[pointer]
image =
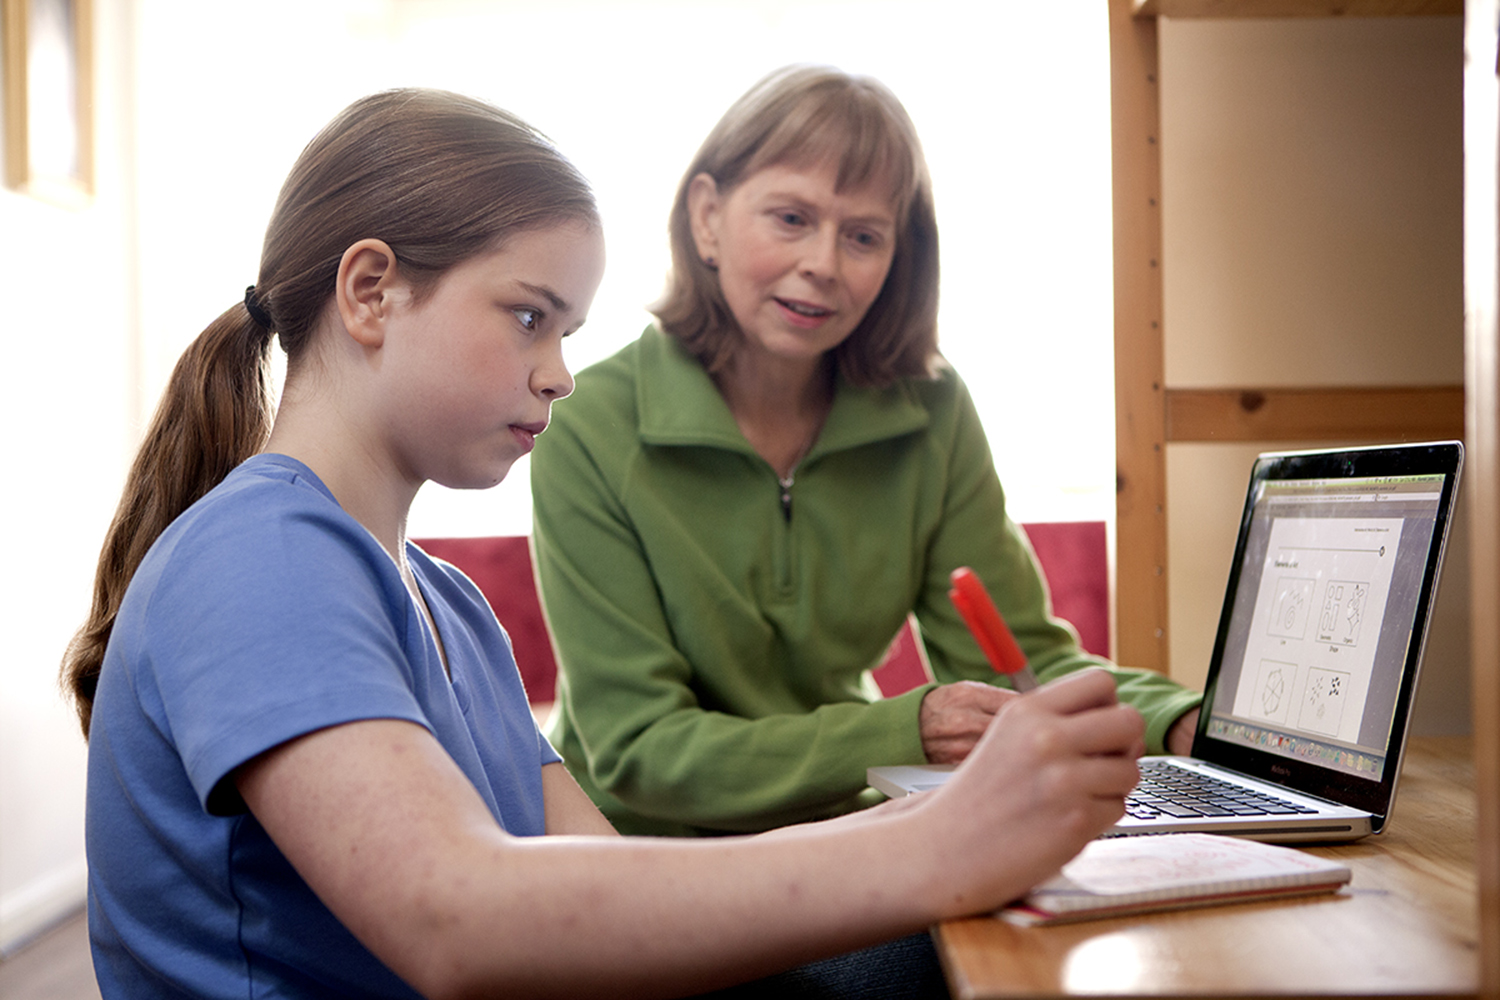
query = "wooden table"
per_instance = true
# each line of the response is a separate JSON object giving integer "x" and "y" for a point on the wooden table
{"x": 1406, "y": 926}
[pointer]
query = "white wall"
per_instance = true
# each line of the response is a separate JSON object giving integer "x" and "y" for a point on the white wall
{"x": 1011, "y": 100}
{"x": 1312, "y": 223}
{"x": 68, "y": 290}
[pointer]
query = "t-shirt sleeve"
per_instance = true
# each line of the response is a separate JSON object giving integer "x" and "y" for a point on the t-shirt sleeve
{"x": 265, "y": 629}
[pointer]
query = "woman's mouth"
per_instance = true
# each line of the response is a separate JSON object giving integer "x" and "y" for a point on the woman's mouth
{"x": 804, "y": 313}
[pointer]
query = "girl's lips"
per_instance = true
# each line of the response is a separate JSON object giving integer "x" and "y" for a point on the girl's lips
{"x": 526, "y": 434}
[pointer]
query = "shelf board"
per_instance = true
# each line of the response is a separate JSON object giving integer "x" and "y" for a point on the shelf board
{"x": 1395, "y": 413}
{"x": 1297, "y": 8}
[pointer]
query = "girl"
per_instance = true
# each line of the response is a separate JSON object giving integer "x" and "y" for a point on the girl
{"x": 743, "y": 507}
{"x": 312, "y": 770}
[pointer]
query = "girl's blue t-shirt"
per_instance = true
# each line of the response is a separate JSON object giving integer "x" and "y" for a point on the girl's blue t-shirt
{"x": 263, "y": 613}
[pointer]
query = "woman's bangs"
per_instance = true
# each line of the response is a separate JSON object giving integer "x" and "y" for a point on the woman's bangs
{"x": 866, "y": 145}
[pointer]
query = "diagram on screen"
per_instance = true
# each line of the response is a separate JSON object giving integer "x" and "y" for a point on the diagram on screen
{"x": 1310, "y": 643}
{"x": 1343, "y": 610}
{"x": 1274, "y": 690}
{"x": 1290, "y": 613}
{"x": 1323, "y": 701}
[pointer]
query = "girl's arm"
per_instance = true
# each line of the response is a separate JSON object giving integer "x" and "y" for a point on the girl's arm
{"x": 391, "y": 836}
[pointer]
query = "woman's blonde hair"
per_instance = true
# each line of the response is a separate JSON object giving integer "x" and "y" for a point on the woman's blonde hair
{"x": 440, "y": 178}
{"x": 800, "y": 116}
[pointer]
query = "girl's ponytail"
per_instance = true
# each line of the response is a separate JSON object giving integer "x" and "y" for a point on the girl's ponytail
{"x": 215, "y": 413}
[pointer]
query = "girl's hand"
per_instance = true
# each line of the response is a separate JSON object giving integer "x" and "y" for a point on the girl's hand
{"x": 953, "y": 718}
{"x": 1036, "y": 788}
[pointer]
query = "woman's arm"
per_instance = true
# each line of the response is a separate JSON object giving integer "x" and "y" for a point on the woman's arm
{"x": 975, "y": 531}
{"x": 390, "y": 835}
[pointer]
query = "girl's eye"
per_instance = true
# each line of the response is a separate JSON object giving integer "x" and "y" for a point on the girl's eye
{"x": 530, "y": 318}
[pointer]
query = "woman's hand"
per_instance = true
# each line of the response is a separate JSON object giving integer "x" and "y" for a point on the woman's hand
{"x": 953, "y": 718}
{"x": 1180, "y": 737}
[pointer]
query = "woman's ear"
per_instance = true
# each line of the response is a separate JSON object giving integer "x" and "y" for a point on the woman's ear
{"x": 703, "y": 213}
{"x": 366, "y": 290}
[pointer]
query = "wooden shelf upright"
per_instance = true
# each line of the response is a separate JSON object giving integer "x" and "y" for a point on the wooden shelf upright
{"x": 1151, "y": 414}
{"x": 1482, "y": 380}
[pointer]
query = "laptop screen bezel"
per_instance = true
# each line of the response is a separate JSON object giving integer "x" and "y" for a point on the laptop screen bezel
{"x": 1428, "y": 458}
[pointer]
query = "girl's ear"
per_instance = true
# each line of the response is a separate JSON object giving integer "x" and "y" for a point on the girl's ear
{"x": 703, "y": 211}
{"x": 366, "y": 290}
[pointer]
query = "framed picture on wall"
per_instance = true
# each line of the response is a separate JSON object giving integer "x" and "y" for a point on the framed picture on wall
{"x": 48, "y": 84}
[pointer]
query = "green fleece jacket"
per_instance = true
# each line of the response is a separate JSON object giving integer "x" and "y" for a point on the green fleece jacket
{"x": 715, "y": 644}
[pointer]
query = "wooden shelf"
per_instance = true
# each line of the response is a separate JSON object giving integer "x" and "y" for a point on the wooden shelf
{"x": 1355, "y": 413}
{"x": 1149, "y": 413}
{"x": 1297, "y": 8}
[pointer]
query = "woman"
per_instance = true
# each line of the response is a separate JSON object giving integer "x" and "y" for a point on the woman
{"x": 739, "y": 511}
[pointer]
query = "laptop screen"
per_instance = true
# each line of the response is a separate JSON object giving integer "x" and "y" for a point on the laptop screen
{"x": 1318, "y": 649}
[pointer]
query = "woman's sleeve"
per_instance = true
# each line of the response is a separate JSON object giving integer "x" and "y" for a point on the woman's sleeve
{"x": 630, "y": 699}
{"x": 975, "y": 531}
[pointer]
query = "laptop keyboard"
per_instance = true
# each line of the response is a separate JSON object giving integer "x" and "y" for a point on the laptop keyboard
{"x": 1165, "y": 790}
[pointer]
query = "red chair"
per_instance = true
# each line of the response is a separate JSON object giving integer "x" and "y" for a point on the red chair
{"x": 1074, "y": 558}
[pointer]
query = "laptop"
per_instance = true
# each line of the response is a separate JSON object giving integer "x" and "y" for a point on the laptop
{"x": 1315, "y": 665}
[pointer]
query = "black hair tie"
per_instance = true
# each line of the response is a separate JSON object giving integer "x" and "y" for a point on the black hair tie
{"x": 252, "y": 306}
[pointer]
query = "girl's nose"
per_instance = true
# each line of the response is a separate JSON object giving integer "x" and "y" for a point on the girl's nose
{"x": 552, "y": 380}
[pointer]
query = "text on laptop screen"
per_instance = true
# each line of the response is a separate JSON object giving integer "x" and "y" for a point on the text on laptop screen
{"x": 1322, "y": 618}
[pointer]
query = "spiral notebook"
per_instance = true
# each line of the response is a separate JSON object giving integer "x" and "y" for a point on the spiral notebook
{"x": 1319, "y": 648}
{"x": 1112, "y": 878}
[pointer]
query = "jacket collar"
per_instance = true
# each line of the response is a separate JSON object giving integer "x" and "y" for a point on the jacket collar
{"x": 679, "y": 405}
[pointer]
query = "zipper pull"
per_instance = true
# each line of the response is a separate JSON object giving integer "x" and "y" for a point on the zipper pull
{"x": 786, "y": 496}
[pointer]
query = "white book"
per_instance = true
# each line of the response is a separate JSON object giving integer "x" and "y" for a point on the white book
{"x": 1123, "y": 875}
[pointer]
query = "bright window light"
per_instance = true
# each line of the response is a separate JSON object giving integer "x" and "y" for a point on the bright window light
{"x": 1011, "y": 100}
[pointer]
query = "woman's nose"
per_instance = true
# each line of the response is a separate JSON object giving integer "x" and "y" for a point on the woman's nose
{"x": 820, "y": 255}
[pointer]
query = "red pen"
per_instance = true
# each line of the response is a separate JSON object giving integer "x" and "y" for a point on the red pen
{"x": 989, "y": 629}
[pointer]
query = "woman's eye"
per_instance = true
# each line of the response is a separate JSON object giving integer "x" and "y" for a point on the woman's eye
{"x": 790, "y": 218}
{"x": 530, "y": 318}
{"x": 867, "y": 240}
